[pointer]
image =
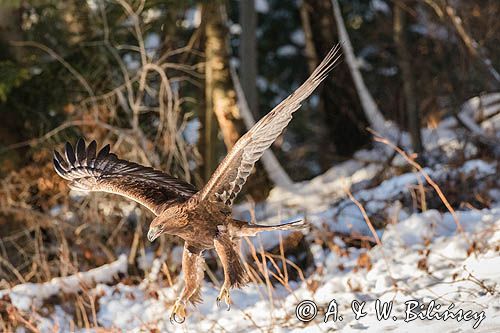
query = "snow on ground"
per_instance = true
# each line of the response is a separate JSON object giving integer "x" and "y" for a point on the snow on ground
{"x": 448, "y": 274}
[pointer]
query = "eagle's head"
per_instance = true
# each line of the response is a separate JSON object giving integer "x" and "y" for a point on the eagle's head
{"x": 168, "y": 221}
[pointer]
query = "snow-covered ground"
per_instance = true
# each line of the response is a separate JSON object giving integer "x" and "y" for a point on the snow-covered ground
{"x": 423, "y": 260}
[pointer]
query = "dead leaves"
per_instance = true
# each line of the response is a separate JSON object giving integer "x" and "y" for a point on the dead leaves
{"x": 364, "y": 262}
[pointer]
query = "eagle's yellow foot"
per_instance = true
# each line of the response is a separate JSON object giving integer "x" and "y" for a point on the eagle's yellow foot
{"x": 224, "y": 295}
{"x": 178, "y": 313}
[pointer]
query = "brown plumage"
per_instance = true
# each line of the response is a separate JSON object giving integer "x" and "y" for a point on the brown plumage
{"x": 202, "y": 218}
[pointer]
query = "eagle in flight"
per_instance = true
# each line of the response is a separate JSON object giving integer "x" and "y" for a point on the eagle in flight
{"x": 202, "y": 218}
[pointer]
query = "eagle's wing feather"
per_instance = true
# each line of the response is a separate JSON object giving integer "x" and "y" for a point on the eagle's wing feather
{"x": 90, "y": 171}
{"x": 230, "y": 176}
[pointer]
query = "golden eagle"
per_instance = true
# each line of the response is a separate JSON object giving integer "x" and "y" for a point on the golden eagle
{"x": 202, "y": 218}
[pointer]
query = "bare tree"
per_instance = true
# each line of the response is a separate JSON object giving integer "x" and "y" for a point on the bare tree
{"x": 221, "y": 97}
{"x": 10, "y": 29}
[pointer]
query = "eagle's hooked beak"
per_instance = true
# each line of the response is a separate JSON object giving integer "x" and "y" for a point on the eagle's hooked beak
{"x": 154, "y": 232}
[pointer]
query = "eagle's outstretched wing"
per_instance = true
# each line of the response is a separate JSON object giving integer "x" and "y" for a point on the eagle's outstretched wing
{"x": 232, "y": 173}
{"x": 105, "y": 172}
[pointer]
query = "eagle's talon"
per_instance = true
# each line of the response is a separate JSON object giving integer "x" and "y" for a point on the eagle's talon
{"x": 179, "y": 321}
{"x": 178, "y": 314}
{"x": 224, "y": 295}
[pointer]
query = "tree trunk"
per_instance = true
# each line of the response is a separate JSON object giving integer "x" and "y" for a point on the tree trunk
{"x": 409, "y": 87}
{"x": 313, "y": 61}
{"x": 311, "y": 54}
{"x": 219, "y": 93}
{"x": 248, "y": 54}
{"x": 74, "y": 16}
{"x": 220, "y": 97}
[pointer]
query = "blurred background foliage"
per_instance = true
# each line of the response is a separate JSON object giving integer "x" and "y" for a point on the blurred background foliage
{"x": 37, "y": 92}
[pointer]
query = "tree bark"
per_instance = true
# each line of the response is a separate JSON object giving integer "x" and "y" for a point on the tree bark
{"x": 12, "y": 127}
{"x": 219, "y": 93}
{"x": 312, "y": 61}
{"x": 73, "y": 15}
{"x": 409, "y": 86}
{"x": 220, "y": 97}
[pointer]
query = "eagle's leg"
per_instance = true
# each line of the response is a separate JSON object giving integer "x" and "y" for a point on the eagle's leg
{"x": 192, "y": 266}
{"x": 234, "y": 272}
